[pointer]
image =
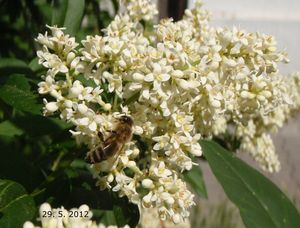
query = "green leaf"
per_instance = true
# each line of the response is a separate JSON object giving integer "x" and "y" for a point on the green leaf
{"x": 36, "y": 126}
{"x": 19, "y": 81}
{"x": 74, "y": 15}
{"x": 107, "y": 217}
{"x": 16, "y": 93}
{"x": 16, "y": 166}
{"x": 35, "y": 66}
{"x": 125, "y": 213}
{"x": 12, "y": 66}
{"x": 121, "y": 215}
{"x": 116, "y": 5}
{"x": 195, "y": 178}
{"x": 59, "y": 12}
{"x": 86, "y": 82}
{"x": 121, "y": 212}
{"x": 16, "y": 206}
{"x": 69, "y": 14}
{"x": 7, "y": 128}
{"x": 260, "y": 202}
{"x": 133, "y": 98}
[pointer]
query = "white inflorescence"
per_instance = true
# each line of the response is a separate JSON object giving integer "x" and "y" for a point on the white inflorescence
{"x": 181, "y": 82}
{"x": 61, "y": 218}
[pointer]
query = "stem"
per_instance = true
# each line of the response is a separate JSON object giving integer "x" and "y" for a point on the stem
{"x": 115, "y": 103}
{"x": 56, "y": 162}
{"x": 69, "y": 80}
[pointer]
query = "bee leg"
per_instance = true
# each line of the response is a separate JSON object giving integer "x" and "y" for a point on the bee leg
{"x": 97, "y": 155}
{"x": 93, "y": 156}
{"x": 89, "y": 158}
{"x": 100, "y": 135}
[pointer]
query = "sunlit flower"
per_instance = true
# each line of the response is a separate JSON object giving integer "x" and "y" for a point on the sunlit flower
{"x": 180, "y": 83}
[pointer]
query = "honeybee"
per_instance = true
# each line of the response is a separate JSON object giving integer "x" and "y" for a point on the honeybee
{"x": 114, "y": 143}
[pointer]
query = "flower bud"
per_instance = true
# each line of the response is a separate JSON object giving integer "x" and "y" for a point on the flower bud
{"x": 107, "y": 107}
{"x": 176, "y": 218}
{"x": 147, "y": 183}
{"x": 177, "y": 74}
{"x": 138, "y": 77}
{"x": 82, "y": 108}
{"x": 110, "y": 178}
{"x": 68, "y": 104}
{"x": 244, "y": 94}
{"x": 51, "y": 106}
{"x": 138, "y": 130}
{"x": 70, "y": 57}
{"x": 215, "y": 103}
{"x": 28, "y": 225}
{"x": 93, "y": 126}
{"x": 44, "y": 207}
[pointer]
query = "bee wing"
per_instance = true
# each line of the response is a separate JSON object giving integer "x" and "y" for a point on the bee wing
{"x": 115, "y": 149}
{"x": 111, "y": 139}
{"x": 111, "y": 149}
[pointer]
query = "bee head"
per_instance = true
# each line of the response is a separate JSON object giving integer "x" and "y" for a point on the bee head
{"x": 126, "y": 120}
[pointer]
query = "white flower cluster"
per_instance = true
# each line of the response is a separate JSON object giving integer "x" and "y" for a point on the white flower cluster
{"x": 82, "y": 218}
{"x": 255, "y": 135}
{"x": 182, "y": 82}
{"x": 150, "y": 219}
{"x": 140, "y": 9}
{"x": 61, "y": 218}
{"x": 294, "y": 91}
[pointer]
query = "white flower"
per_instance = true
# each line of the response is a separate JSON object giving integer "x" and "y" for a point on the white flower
{"x": 141, "y": 9}
{"x": 51, "y": 106}
{"x": 48, "y": 85}
{"x": 76, "y": 89}
{"x": 159, "y": 75}
{"x": 160, "y": 170}
{"x": 162, "y": 142}
{"x": 51, "y": 61}
{"x": 180, "y": 82}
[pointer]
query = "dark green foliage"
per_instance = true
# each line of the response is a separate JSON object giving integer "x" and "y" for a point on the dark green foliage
{"x": 16, "y": 206}
{"x": 16, "y": 93}
{"x": 36, "y": 151}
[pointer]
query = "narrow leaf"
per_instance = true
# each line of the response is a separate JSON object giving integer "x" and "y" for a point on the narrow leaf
{"x": 74, "y": 15}
{"x": 59, "y": 12}
{"x": 260, "y": 202}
